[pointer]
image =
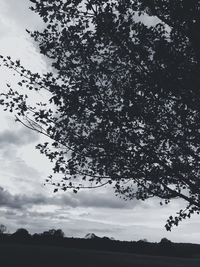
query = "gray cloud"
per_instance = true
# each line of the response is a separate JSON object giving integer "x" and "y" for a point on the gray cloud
{"x": 97, "y": 199}
{"x": 82, "y": 200}
{"x": 19, "y": 12}
{"x": 19, "y": 137}
{"x": 19, "y": 201}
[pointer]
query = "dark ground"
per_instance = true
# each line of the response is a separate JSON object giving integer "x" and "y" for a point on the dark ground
{"x": 48, "y": 256}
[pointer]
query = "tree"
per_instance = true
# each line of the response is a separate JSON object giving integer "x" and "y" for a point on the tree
{"x": 165, "y": 242}
{"x": 123, "y": 105}
{"x": 3, "y": 229}
{"x": 54, "y": 233}
{"x": 21, "y": 233}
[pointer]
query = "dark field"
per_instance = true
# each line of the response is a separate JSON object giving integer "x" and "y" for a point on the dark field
{"x": 42, "y": 256}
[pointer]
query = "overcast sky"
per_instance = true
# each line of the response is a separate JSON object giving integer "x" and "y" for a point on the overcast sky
{"x": 26, "y": 202}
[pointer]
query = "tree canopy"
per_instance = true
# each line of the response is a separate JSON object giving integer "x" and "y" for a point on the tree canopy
{"x": 124, "y": 104}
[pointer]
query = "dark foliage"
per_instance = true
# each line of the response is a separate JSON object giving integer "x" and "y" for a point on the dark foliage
{"x": 124, "y": 102}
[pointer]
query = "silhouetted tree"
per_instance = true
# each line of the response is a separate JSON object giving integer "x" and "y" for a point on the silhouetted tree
{"x": 124, "y": 102}
{"x": 3, "y": 229}
{"x": 21, "y": 233}
{"x": 164, "y": 240}
{"x": 54, "y": 233}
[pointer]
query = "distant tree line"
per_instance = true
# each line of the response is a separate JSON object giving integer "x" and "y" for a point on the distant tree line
{"x": 22, "y": 233}
{"x": 55, "y": 237}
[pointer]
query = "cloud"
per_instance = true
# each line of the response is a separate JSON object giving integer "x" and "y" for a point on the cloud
{"x": 19, "y": 13}
{"x": 19, "y": 201}
{"x": 18, "y": 138}
{"x": 80, "y": 200}
{"x": 97, "y": 199}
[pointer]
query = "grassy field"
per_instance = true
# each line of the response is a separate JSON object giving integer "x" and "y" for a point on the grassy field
{"x": 41, "y": 256}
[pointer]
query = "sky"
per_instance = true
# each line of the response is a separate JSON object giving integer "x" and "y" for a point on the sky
{"x": 26, "y": 202}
